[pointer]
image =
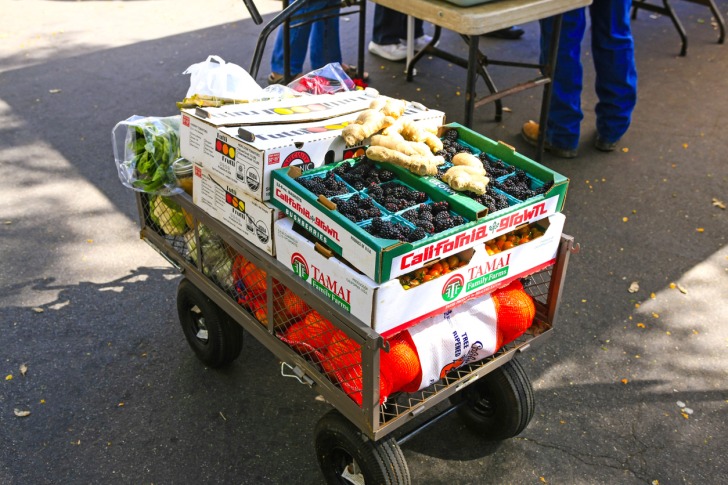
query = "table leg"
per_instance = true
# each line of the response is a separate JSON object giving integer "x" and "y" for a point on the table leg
{"x": 548, "y": 72}
{"x": 473, "y": 54}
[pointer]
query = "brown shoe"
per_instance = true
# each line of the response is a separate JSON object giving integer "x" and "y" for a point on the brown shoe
{"x": 530, "y": 131}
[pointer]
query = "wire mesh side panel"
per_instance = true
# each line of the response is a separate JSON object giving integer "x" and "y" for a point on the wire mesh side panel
{"x": 278, "y": 308}
{"x": 537, "y": 286}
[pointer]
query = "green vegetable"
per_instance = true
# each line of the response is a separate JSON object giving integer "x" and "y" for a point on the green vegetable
{"x": 168, "y": 215}
{"x": 153, "y": 146}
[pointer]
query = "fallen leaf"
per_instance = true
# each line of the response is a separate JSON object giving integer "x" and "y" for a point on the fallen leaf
{"x": 655, "y": 315}
{"x": 625, "y": 381}
{"x": 54, "y": 91}
{"x": 685, "y": 415}
{"x": 700, "y": 229}
{"x": 685, "y": 145}
{"x": 673, "y": 286}
{"x": 625, "y": 219}
{"x": 23, "y": 369}
{"x": 89, "y": 241}
{"x": 653, "y": 296}
{"x": 682, "y": 289}
{"x": 680, "y": 404}
{"x": 718, "y": 203}
{"x": 655, "y": 482}
{"x": 641, "y": 325}
{"x": 507, "y": 109}
{"x": 625, "y": 149}
{"x": 9, "y": 377}
{"x": 21, "y": 413}
{"x": 38, "y": 310}
{"x": 542, "y": 479}
{"x": 634, "y": 287}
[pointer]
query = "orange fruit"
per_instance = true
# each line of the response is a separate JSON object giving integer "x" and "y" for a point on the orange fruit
{"x": 292, "y": 305}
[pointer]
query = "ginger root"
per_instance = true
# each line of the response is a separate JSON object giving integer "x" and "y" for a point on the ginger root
{"x": 417, "y": 164}
{"x": 382, "y": 112}
{"x": 468, "y": 159}
{"x": 466, "y": 177}
{"x": 396, "y": 142}
{"x": 367, "y": 123}
{"x": 417, "y": 132}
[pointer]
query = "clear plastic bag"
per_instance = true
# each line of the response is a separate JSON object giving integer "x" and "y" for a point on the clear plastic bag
{"x": 327, "y": 80}
{"x": 216, "y": 78}
{"x": 144, "y": 150}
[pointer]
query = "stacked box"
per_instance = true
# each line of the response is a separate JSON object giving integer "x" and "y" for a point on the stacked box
{"x": 388, "y": 307}
{"x": 384, "y": 259}
{"x": 244, "y": 143}
{"x": 250, "y": 218}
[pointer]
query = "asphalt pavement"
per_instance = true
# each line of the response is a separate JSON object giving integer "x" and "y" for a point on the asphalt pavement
{"x": 631, "y": 389}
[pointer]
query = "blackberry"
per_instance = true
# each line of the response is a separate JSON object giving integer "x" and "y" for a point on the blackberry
{"x": 328, "y": 186}
{"x": 386, "y": 175}
{"x": 427, "y": 226}
{"x": 391, "y": 206}
{"x": 416, "y": 234}
{"x": 450, "y": 135}
{"x": 438, "y": 207}
{"x": 420, "y": 197}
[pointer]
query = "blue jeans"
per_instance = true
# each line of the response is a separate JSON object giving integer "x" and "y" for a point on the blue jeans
{"x": 616, "y": 74}
{"x": 323, "y": 36}
{"x": 390, "y": 26}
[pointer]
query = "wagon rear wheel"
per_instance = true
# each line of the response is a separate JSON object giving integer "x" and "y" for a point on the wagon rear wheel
{"x": 500, "y": 404}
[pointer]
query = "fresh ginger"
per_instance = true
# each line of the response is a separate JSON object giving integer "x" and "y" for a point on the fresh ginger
{"x": 367, "y": 123}
{"x": 396, "y": 142}
{"x": 417, "y": 132}
{"x": 417, "y": 164}
{"x": 465, "y": 177}
{"x": 468, "y": 159}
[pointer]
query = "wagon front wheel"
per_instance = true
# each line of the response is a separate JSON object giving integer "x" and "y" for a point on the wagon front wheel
{"x": 347, "y": 456}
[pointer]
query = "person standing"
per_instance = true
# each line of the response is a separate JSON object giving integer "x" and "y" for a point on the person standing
{"x": 389, "y": 33}
{"x": 321, "y": 36}
{"x": 616, "y": 78}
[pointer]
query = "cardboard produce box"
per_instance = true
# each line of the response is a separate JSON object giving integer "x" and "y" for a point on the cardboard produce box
{"x": 226, "y": 202}
{"x": 390, "y": 308}
{"x": 245, "y": 155}
{"x": 384, "y": 259}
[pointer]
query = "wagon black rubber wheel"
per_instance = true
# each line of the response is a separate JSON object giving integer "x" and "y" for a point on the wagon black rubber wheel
{"x": 500, "y": 404}
{"x": 347, "y": 456}
{"x": 212, "y": 334}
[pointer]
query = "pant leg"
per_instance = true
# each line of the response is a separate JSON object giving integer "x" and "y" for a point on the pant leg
{"x": 390, "y": 26}
{"x": 299, "y": 39}
{"x": 614, "y": 64}
{"x": 565, "y": 114}
{"x": 325, "y": 45}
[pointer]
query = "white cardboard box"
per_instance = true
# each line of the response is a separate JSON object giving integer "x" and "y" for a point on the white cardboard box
{"x": 250, "y": 218}
{"x": 388, "y": 307}
{"x": 245, "y": 155}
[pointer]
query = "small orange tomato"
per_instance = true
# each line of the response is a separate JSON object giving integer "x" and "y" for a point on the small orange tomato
{"x": 500, "y": 243}
{"x": 436, "y": 267}
{"x": 435, "y": 273}
{"x": 426, "y": 278}
{"x": 414, "y": 283}
{"x": 508, "y": 245}
{"x": 489, "y": 250}
{"x": 524, "y": 240}
{"x": 453, "y": 261}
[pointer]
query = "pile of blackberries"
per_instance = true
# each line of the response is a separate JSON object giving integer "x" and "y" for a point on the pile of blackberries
{"x": 450, "y": 146}
{"x": 493, "y": 200}
{"x": 363, "y": 174}
{"x": 519, "y": 186}
{"x": 358, "y": 208}
{"x": 396, "y": 197}
{"x": 433, "y": 218}
{"x": 388, "y": 229}
{"x": 494, "y": 166}
{"x": 328, "y": 185}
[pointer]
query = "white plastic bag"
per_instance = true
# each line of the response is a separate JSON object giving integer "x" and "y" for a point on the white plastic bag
{"x": 215, "y": 77}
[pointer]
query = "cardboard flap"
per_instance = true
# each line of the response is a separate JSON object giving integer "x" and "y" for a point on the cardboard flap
{"x": 327, "y": 203}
